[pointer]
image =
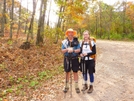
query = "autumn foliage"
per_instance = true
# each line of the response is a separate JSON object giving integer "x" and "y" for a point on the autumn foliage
{"x": 27, "y": 67}
{"x": 130, "y": 12}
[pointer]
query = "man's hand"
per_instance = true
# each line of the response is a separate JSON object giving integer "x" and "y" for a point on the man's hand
{"x": 70, "y": 50}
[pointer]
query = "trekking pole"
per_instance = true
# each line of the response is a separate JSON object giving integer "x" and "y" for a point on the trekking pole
{"x": 83, "y": 69}
{"x": 66, "y": 77}
{"x": 70, "y": 61}
{"x": 65, "y": 86}
{"x": 83, "y": 65}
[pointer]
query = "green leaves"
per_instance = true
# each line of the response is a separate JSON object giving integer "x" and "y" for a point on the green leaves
{"x": 42, "y": 74}
{"x": 33, "y": 83}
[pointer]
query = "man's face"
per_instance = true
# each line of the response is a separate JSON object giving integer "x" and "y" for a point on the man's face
{"x": 70, "y": 34}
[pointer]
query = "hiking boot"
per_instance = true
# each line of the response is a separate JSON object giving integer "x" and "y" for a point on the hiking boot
{"x": 85, "y": 87}
{"x": 77, "y": 90}
{"x": 65, "y": 89}
{"x": 90, "y": 90}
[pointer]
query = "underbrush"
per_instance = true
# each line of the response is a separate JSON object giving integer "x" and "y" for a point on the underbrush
{"x": 116, "y": 36}
{"x": 25, "y": 70}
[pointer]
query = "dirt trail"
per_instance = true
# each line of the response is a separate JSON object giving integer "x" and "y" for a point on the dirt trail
{"x": 114, "y": 77}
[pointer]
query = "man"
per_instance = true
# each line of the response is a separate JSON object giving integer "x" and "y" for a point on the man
{"x": 71, "y": 49}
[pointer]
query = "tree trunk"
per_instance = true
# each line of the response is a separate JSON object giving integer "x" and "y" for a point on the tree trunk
{"x": 62, "y": 8}
{"x": 110, "y": 22}
{"x": 100, "y": 23}
{"x": 3, "y": 19}
{"x": 63, "y": 21}
{"x": 96, "y": 25}
{"x": 30, "y": 30}
{"x": 124, "y": 16}
{"x": 43, "y": 17}
{"x": 19, "y": 19}
{"x": 39, "y": 38}
{"x": 11, "y": 17}
{"x": 26, "y": 20}
{"x": 49, "y": 13}
{"x": 59, "y": 19}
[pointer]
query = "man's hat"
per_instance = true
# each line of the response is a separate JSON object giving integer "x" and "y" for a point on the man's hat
{"x": 71, "y": 30}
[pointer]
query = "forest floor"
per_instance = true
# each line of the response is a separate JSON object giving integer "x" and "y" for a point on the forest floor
{"x": 37, "y": 74}
{"x": 28, "y": 74}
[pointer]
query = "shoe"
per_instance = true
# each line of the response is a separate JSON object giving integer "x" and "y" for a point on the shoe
{"x": 90, "y": 90}
{"x": 85, "y": 87}
{"x": 77, "y": 90}
{"x": 65, "y": 89}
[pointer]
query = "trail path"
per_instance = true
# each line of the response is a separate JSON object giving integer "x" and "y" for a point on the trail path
{"x": 114, "y": 77}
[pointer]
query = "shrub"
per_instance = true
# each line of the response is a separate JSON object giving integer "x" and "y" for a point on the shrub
{"x": 131, "y": 36}
{"x": 115, "y": 36}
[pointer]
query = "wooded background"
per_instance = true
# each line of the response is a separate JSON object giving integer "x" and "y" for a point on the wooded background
{"x": 103, "y": 20}
{"x": 39, "y": 69}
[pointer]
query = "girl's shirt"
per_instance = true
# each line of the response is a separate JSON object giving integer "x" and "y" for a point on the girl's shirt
{"x": 86, "y": 48}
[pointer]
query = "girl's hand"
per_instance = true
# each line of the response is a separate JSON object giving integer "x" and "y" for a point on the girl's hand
{"x": 84, "y": 54}
{"x": 81, "y": 55}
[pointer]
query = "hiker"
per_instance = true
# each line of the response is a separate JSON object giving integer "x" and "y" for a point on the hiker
{"x": 87, "y": 64}
{"x": 71, "y": 49}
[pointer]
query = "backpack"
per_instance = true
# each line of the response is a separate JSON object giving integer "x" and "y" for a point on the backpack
{"x": 72, "y": 44}
{"x": 91, "y": 38}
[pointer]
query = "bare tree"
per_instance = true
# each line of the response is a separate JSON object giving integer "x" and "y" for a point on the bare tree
{"x": 110, "y": 22}
{"x": 100, "y": 19}
{"x": 49, "y": 13}
{"x": 11, "y": 18}
{"x": 26, "y": 19}
{"x": 3, "y": 19}
{"x": 19, "y": 18}
{"x": 39, "y": 38}
{"x": 30, "y": 30}
{"x": 124, "y": 16}
{"x": 43, "y": 16}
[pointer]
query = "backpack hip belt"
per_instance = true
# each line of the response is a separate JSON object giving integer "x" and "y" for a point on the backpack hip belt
{"x": 67, "y": 57}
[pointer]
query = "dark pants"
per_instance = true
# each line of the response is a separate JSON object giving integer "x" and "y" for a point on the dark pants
{"x": 68, "y": 67}
{"x": 88, "y": 69}
{"x": 89, "y": 66}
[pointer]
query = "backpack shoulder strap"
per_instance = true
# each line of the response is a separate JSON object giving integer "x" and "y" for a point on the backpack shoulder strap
{"x": 82, "y": 44}
{"x": 92, "y": 56}
{"x": 65, "y": 43}
{"x": 90, "y": 44}
{"x": 92, "y": 39}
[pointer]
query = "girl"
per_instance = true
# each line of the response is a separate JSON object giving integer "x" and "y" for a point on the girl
{"x": 87, "y": 54}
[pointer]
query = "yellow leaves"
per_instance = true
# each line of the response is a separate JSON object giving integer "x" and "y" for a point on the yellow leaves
{"x": 9, "y": 3}
{"x": 130, "y": 11}
{"x": 5, "y": 100}
{"x": 15, "y": 26}
{"x": 74, "y": 11}
{"x": 1, "y": 14}
{"x": 7, "y": 15}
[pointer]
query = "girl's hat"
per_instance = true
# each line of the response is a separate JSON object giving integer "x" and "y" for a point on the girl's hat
{"x": 71, "y": 30}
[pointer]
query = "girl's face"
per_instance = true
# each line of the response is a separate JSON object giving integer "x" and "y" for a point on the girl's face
{"x": 86, "y": 35}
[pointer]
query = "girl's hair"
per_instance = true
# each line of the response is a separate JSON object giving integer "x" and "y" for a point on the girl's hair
{"x": 87, "y": 32}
